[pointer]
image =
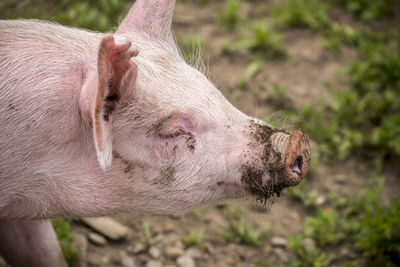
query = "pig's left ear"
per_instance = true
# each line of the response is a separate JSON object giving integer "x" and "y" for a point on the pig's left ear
{"x": 151, "y": 16}
{"x": 105, "y": 88}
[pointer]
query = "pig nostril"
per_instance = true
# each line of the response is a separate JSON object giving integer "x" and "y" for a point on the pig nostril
{"x": 296, "y": 166}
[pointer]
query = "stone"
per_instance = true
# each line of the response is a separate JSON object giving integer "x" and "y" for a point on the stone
{"x": 154, "y": 252}
{"x": 278, "y": 241}
{"x": 169, "y": 228}
{"x": 185, "y": 261}
{"x": 97, "y": 239}
{"x": 108, "y": 227}
{"x": 344, "y": 252}
{"x": 98, "y": 260}
{"x": 138, "y": 248}
{"x": 128, "y": 262}
{"x": 179, "y": 244}
{"x": 320, "y": 200}
{"x": 194, "y": 253}
{"x": 308, "y": 244}
{"x": 173, "y": 252}
{"x": 281, "y": 254}
{"x": 153, "y": 263}
{"x": 81, "y": 243}
{"x": 209, "y": 248}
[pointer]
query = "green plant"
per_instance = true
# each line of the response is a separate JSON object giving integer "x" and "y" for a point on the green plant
{"x": 240, "y": 231}
{"x": 308, "y": 257}
{"x": 369, "y": 10}
{"x": 263, "y": 263}
{"x": 251, "y": 70}
{"x": 337, "y": 34}
{"x": 262, "y": 42}
{"x": 197, "y": 215}
{"x": 377, "y": 234}
{"x": 230, "y": 16}
{"x": 369, "y": 228}
{"x": 193, "y": 238}
{"x": 309, "y": 198}
{"x": 65, "y": 236}
{"x": 279, "y": 98}
{"x": 148, "y": 237}
{"x": 96, "y": 15}
{"x": 301, "y": 13}
{"x": 324, "y": 228}
{"x": 99, "y": 15}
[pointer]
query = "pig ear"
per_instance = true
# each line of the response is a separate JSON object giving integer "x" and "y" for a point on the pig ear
{"x": 105, "y": 89}
{"x": 151, "y": 16}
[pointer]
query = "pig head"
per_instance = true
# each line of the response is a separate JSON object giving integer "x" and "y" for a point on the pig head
{"x": 96, "y": 124}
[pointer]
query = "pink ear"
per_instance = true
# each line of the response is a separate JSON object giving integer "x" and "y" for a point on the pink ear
{"x": 104, "y": 89}
{"x": 151, "y": 16}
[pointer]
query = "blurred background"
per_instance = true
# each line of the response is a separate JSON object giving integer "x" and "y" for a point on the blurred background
{"x": 331, "y": 68}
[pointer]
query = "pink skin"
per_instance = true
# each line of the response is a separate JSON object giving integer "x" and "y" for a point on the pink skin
{"x": 95, "y": 124}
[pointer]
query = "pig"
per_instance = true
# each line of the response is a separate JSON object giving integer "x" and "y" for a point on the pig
{"x": 95, "y": 124}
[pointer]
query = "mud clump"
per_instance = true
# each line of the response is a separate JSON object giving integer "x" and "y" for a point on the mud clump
{"x": 271, "y": 164}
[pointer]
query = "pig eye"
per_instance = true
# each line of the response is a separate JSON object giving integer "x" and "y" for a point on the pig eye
{"x": 172, "y": 135}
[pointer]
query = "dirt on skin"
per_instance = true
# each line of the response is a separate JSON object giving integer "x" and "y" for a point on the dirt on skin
{"x": 307, "y": 68}
{"x": 269, "y": 163}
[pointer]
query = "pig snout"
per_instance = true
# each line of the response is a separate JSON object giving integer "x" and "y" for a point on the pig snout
{"x": 284, "y": 161}
{"x": 296, "y": 149}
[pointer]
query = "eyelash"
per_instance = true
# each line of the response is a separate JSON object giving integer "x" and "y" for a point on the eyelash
{"x": 172, "y": 135}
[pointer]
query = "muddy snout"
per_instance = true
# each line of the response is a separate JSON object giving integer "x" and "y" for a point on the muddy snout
{"x": 296, "y": 161}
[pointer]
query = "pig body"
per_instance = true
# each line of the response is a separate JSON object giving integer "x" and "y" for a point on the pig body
{"x": 94, "y": 124}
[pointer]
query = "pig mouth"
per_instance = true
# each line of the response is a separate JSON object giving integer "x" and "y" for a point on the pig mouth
{"x": 262, "y": 184}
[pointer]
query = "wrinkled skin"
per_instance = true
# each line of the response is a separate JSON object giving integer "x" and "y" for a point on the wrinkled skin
{"x": 95, "y": 124}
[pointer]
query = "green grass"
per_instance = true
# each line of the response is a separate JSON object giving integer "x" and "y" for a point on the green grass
{"x": 369, "y": 10}
{"x": 301, "y": 13}
{"x": 64, "y": 236}
{"x": 149, "y": 239}
{"x": 194, "y": 238}
{"x": 262, "y": 41}
{"x": 98, "y": 15}
{"x": 308, "y": 257}
{"x": 368, "y": 228}
{"x": 250, "y": 72}
{"x": 230, "y": 17}
{"x": 240, "y": 231}
{"x": 279, "y": 98}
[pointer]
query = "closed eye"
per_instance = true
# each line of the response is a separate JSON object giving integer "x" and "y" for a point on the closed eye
{"x": 172, "y": 135}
